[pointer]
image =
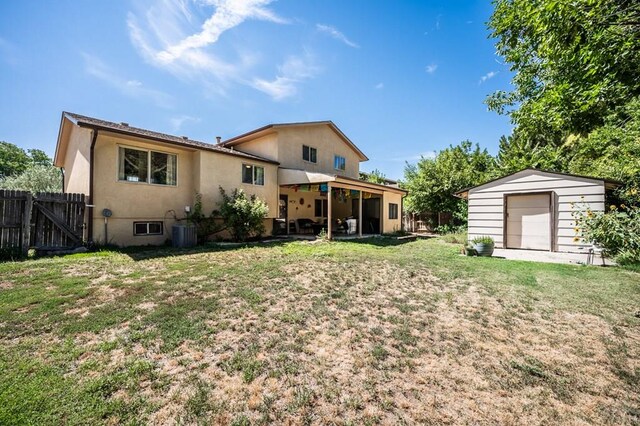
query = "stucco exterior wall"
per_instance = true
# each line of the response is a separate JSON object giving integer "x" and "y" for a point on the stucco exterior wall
{"x": 201, "y": 171}
{"x": 391, "y": 225}
{"x": 213, "y": 170}
{"x": 77, "y": 161}
{"x": 265, "y": 147}
{"x": 327, "y": 143}
{"x": 135, "y": 201}
{"x": 486, "y": 204}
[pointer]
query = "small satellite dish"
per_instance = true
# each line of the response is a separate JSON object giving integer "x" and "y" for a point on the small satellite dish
{"x": 106, "y": 213}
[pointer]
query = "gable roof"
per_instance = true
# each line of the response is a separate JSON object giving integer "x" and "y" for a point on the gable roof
{"x": 125, "y": 129}
{"x": 608, "y": 183}
{"x": 273, "y": 127}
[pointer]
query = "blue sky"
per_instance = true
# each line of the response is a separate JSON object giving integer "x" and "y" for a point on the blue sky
{"x": 400, "y": 78}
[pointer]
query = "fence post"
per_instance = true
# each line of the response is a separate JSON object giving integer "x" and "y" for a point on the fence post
{"x": 26, "y": 223}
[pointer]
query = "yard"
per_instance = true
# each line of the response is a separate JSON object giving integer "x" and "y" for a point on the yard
{"x": 360, "y": 332}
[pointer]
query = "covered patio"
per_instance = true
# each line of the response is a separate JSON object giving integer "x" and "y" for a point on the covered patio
{"x": 313, "y": 202}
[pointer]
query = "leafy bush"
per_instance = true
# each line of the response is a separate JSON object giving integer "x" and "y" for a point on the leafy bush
{"x": 455, "y": 238}
{"x": 242, "y": 215}
{"x": 484, "y": 239}
{"x": 205, "y": 225}
{"x": 617, "y": 231}
{"x": 36, "y": 178}
{"x": 450, "y": 229}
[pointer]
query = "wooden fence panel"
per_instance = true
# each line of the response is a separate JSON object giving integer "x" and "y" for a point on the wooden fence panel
{"x": 46, "y": 220}
{"x": 58, "y": 220}
{"x": 12, "y": 217}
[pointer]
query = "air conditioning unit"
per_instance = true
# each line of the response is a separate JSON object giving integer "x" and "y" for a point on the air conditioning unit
{"x": 183, "y": 235}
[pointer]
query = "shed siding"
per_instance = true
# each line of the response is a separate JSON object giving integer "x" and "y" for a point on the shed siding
{"x": 486, "y": 204}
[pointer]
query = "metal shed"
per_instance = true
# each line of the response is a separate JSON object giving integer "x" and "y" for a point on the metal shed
{"x": 532, "y": 209}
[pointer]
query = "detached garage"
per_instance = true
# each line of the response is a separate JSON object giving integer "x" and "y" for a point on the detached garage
{"x": 531, "y": 209}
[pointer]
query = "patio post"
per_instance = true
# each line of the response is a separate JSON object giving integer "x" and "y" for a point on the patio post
{"x": 329, "y": 197}
{"x": 360, "y": 214}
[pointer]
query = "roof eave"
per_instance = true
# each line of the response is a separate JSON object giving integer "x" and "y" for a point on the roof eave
{"x": 239, "y": 154}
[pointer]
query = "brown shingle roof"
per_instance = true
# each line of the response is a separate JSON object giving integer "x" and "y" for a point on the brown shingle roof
{"x": 123, "y": 128}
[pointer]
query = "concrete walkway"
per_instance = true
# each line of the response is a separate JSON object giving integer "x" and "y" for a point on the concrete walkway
{"x": 548, "y": 257}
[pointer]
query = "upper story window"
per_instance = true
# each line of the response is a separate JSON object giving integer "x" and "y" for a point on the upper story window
{"x": 137, "y": 165}
{"x": 339, "y": 163}
{"x": 309, "y": 154}
{"x": 253, "y": 175}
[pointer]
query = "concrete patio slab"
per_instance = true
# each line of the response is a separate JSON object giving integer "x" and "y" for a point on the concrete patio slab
{"x": 549, "y": 257}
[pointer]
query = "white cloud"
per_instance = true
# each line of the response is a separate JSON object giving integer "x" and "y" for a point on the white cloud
{"x": 430, "y": 69}
{"x": 335, "y": 33}
{"x": 379, "y": 86}
{"x": 294, "y": 70}
{"x": 177, "y": 122}
{"x": 228, "y": 14}
{"x": 488, "y": 76}
{"x": 167, "y": 37}
{"x": 131, "y": 88}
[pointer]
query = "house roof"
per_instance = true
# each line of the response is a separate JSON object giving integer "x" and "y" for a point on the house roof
{"x": 608, "y": 183}
{"x": 288, "y": 176}
{"x": 272, "y": 127}
{"x": 125, "y": 129}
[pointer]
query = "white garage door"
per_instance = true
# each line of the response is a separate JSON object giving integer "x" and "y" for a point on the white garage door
{"x": 529, "y": 221}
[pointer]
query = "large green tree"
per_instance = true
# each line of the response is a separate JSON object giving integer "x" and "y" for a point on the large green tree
{"x": 15, "y": 160}
{"x": 574, "y": 63}
{"x": 612, "y": 150}
{"x": 433, "y": 181}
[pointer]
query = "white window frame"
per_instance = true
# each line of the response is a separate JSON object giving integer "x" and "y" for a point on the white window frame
{"x": 139, "y": 222}
{"x": 253, "y": 174}
{"x": 148, "y": 151}
{"x": 309, "y": 147}
{"x": 344, "y": 162}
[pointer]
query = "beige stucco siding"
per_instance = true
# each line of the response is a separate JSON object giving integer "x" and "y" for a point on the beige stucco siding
{"x": 265, "y": 147}
{"x": 391, "y": 225}
{"x": 76, "y": 161}
{"x": 486, "y": 204}
{"x": 327, "y": 143}
{"x": 213, "y": 170}
{"x": 132, "y": 201}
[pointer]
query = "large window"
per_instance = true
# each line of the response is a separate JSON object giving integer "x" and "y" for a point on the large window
{"x": 339, "y": 163}
{"x": 147, "y": 228}
{"x": 309, "y": 154}
{"x": 393, "y": 211}
{"x": 136, "y": 165}
{"x": 253, "y": 175}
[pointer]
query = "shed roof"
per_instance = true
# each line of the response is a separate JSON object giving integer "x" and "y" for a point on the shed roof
{"x": 608, "y": 183}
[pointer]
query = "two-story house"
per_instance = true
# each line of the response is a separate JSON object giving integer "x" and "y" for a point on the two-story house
{"x": 147, "y": 180}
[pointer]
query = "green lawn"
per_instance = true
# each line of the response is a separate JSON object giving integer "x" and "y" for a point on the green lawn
{"x": 360, "y": 332}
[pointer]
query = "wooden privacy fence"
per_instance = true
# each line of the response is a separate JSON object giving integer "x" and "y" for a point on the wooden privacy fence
{"x": 45, "y": 221}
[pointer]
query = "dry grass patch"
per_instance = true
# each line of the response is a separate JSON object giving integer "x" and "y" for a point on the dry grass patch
{"x": 335, "y": 333}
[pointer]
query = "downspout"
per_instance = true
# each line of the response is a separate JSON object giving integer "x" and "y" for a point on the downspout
{"x": 402, "y": 213}
{"x": 90, "y": 202}
{"x": 62, "y": 177}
